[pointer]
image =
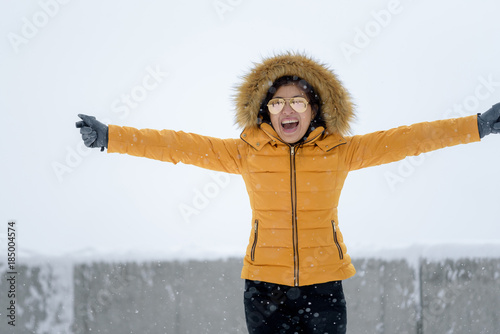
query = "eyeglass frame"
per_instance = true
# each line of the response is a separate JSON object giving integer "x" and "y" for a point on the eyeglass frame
{"x": 287, "y": 100}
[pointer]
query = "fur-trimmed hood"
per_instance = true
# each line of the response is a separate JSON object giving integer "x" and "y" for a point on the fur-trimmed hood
{"x": 337, "y": 108}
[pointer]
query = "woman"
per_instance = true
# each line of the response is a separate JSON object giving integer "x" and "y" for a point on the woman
{"x": 294, "y": 155}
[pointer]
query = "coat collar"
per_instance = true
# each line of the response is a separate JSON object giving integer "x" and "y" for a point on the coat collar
{"x": 259, "y": 137}
{"x": 329, "y": 142}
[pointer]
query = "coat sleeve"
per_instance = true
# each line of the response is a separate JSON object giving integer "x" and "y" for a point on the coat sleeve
{"x": 176, "y": 146}
{"x": 392, "y": 145}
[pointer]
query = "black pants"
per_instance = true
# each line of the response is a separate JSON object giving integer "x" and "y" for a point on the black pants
{"x": 280, "y": 309}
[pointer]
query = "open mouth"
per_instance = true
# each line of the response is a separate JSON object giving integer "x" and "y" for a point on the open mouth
{"x": 289, "y": 125}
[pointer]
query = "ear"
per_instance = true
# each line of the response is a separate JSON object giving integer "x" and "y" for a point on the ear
{"x": 314, "y": 109}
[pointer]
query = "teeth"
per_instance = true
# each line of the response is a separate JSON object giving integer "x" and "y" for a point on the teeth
{"x": 289, "y": 121}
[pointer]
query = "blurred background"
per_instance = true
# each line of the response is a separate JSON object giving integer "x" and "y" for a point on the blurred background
{"x": 175, "y": 65}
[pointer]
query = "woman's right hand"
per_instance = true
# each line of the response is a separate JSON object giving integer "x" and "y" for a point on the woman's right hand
{"x": 94, "y": 133}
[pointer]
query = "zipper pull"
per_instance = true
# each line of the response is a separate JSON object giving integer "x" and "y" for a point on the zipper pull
{"x": 256, "y": 224}
{"x": 292, "y": 150}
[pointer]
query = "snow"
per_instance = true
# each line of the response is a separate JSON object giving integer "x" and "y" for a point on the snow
{"x": 175, "y": 65}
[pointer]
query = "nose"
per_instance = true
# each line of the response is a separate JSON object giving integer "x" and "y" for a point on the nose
{"x": 287, "y": 109}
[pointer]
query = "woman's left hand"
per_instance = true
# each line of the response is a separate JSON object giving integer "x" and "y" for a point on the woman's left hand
{"x": 489, "y": 121}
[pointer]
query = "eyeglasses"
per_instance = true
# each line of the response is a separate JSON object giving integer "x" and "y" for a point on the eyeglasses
{"x": 299, "y": 104}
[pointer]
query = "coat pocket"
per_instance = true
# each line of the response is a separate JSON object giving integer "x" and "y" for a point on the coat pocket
{"x": 336, "y": 240}
{"x": 255, "y": 238}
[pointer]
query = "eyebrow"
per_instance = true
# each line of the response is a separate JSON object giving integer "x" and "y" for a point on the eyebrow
{"x": 280, "y": 97}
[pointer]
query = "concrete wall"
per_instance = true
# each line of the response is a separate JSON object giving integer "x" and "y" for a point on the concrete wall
{"x": 43, "y": 298}
{"x": 461, "y": 296}
{"x": 202, "y": 297}
{"x": 382, "y": 298}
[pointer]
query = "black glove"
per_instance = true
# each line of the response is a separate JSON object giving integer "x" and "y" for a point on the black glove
{"x": 94, "y": 133}
{"x": 489, "y": 121}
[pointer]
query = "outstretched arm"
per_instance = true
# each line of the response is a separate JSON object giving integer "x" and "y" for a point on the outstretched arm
{"x": 393, "y": 145}
{"x": 165, "y": 145}
{"x": 177, "y": 146}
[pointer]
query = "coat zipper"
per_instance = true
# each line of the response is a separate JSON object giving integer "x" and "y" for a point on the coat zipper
{"x": 295, "y": 237}
{"x": 336, "y": 240}
{"x": 255, "y": 237}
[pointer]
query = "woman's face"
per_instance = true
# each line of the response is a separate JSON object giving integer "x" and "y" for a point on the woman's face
{"x": 290, "y": 125}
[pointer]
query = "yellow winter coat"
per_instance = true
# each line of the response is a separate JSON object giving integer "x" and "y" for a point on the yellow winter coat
{"x": 294, "y": 190}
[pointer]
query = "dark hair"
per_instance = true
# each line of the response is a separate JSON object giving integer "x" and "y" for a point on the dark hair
{"x": 313, "y": 98}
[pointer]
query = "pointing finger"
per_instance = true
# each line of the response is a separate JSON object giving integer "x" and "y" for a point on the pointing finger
{"x": 88, "y": 120}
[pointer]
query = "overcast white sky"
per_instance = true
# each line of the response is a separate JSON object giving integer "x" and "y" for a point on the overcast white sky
{"x": 174, "y": 64}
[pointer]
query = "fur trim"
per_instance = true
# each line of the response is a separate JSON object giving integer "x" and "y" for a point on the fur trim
{"x": 337, "y": 108}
